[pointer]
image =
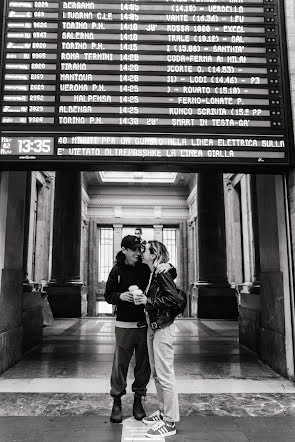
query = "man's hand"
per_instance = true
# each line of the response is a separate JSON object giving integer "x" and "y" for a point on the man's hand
{"x": 126, "y": 296}
{"x": 163, "y": 268}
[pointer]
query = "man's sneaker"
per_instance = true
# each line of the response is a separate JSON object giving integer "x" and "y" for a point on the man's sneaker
{"x": 161, "y": 429}
{"x": 156, "y": 416}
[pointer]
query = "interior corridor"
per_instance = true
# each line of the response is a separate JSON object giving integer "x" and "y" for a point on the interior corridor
{"x": 68, "y": 376}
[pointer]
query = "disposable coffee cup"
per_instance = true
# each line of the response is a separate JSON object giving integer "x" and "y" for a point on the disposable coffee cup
{"x": 132, "y": 288}
{"x": 136, "y": 294}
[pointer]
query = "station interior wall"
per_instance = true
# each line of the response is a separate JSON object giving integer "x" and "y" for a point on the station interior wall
{"x": 266, "y": 318}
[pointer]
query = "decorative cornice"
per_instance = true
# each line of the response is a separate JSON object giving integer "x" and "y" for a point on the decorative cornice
{"x": 137, "y": 206}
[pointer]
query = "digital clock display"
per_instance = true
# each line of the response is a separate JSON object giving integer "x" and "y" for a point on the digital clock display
{"x": 27, "y": 146}
{"x": 167, "y": 72}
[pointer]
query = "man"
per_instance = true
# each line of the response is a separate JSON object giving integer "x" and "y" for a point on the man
{"x": 138, "y": 233}
{"x": 131, "y": 327}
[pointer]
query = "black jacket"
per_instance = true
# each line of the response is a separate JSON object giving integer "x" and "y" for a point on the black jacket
{"x": 162, "y": 300}
{"x": 120, "y": 278}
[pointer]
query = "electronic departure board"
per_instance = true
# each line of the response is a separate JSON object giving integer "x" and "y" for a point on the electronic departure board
{"x": 169, "y": 82}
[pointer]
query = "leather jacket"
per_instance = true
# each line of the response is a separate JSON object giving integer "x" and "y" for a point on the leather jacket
{"x": 162, "y": 300}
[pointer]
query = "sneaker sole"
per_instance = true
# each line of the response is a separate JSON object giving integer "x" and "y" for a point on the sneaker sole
{"x": 161, "y": 436}
{"x": 150, "y": 422}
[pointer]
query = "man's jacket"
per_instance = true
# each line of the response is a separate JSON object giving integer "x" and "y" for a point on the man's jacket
{"x": 120, "y": 278}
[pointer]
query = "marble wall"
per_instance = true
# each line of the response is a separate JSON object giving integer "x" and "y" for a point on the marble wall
{"x": 290, "y": 200}
{"x": 12, "y": 209}
{"x": 290, "y": 24}
{"x": 265, "y": 324}
{"x": 26, "y": 208}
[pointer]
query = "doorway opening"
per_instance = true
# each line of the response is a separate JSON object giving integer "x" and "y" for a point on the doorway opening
{"x": 228, "y": 243}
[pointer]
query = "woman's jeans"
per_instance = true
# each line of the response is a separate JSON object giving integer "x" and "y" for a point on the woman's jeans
{"x": 161, "y": 354}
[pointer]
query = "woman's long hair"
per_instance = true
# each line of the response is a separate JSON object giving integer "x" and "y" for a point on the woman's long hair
{"x": 157, "y": 248}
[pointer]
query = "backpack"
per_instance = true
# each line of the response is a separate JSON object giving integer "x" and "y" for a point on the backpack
{"x": 182, "y": 302}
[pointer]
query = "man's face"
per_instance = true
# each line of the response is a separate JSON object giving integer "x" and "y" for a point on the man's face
{"x": 131, "y": 256}
{"x": 137, "y": 233}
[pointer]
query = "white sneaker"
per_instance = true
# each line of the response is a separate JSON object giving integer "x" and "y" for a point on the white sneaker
{"x": 157, "y": 416}
{"x": 161, "y": 429}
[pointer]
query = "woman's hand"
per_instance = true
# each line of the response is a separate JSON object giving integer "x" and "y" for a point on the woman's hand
{"x": 140, "y": 299}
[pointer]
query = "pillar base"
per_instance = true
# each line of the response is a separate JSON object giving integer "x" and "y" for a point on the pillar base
{"x": 10, "y": 348}
{"x": 216, "y": 303}
{"x": 249, "y": 320}
{"x": 67, "y": 301}
{"x": 32, "y": 320}
{"x": 255, "y": 288}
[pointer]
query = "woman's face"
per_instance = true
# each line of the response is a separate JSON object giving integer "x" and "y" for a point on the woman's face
{"x": 147, "y": 256}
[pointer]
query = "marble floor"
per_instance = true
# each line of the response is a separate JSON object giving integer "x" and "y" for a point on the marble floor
{"x": 217, "y": 380}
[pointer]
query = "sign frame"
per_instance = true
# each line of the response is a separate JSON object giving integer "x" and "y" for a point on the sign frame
{"x": 189, "y": 164}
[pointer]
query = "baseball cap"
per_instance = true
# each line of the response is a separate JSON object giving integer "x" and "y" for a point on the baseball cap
{"x": 130, "y": 242}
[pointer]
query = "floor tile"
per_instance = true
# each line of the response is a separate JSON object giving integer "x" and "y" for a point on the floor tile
{"x": 60, "y": 391}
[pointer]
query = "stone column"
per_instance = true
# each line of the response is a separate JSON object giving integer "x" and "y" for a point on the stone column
{"x": 27, "y": 221}
{"x": 92, "y": 269}
{"x": 216, "y": 299}
{"x": 236, "y": 232}
{"x": 249, "y": 295}
{"x": 184, "y": 247}
{"x": 65, "y": 286}
{"x": 12, "y": 225}
{"x": 43, "y": 232}
{"x": 158, "y": 232}
{"x": 183, "y": 258}
{"x": 255, "y": 286}
{"x": 195, "y": 249}
{"x": 274, "y": 276}
{"x": 191, "y": 253}
{"x": 230, "y": 230}
{"x": 194, "y": 290}
{"x": 191, "y": 257}
{"x": 117, "y": 238}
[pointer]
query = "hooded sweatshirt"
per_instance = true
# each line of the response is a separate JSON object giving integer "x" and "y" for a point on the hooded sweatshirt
{"x": 121, "y": 277}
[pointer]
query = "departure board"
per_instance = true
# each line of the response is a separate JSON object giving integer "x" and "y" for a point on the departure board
{"x": 170, "y": 82}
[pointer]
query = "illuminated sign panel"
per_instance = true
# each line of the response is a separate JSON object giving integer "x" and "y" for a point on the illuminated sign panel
{"x": 174, "y": 81}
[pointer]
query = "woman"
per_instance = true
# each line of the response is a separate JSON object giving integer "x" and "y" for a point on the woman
{"x": 160, "y": 299}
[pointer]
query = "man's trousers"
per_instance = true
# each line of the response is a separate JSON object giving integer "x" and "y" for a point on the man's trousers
{"x": 129, "y": 340}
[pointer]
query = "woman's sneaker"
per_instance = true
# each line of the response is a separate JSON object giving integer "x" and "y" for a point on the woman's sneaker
{"x": 153, "y": 418}
{"x": 161, "y": 429}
